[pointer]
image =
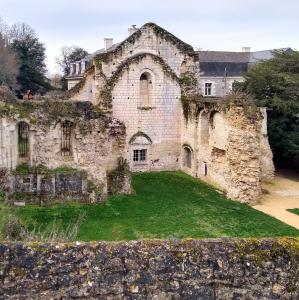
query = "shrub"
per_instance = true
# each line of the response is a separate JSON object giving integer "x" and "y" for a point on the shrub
{"x": 13, "y": 229}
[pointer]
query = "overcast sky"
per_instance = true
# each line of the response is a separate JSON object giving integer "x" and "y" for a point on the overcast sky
{"x": 207, "y": 24}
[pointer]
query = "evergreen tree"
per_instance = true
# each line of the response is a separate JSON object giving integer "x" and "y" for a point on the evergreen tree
{"x": 31, "y": 53}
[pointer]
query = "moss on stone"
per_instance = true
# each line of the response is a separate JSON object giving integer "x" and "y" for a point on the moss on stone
{"x": 76, "y": 89}
{"x": 25, "y": 169}
{"x": 106, "y": 92}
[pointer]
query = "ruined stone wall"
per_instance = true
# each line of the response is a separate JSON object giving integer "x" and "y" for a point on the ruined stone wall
{"x": 266, "y": 155}
{"x": 229, "y": 150}
{"x": 153, "y": 269}
{"x": 96, "y": 141}
{"x": 49, "y": 187}
{"x": 8, "y": 144}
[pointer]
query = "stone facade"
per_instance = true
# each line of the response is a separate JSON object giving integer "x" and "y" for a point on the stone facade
{"x": 191, "y": 269}
{"x": 149, "y": 83}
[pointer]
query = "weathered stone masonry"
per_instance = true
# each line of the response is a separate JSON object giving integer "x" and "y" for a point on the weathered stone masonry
{"x": 140, "y": 101}
{"x": 94, "y": 143}
{"x": 151, "y": 83}
{"x": 152, "y": 269}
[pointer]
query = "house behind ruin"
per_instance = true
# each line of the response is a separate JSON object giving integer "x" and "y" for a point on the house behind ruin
{"x": 153, "y": 103}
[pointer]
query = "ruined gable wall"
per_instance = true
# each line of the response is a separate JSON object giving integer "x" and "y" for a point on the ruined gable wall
{"x": 160, "y": 121}
{"x": 147, "y": 42}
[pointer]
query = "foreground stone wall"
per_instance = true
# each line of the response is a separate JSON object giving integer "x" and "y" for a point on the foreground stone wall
{"x": 190, "y": 269}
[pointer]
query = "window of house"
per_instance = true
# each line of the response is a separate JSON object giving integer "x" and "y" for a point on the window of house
{"x": 139, "y": 155}
{"x": 23, "y": 139}
{"x": 66, "y": 138}
{"x": 208, "y": 89}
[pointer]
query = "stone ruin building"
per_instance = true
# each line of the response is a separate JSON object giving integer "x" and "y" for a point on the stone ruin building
{"x": 145, "y": 104}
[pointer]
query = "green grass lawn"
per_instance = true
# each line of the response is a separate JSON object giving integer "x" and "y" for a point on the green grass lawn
{"x": 294, "y": 211}
{"x": 165, "y": 204}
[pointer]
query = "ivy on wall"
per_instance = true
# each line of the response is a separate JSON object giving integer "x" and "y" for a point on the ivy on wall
{"x": 106, "y": 92}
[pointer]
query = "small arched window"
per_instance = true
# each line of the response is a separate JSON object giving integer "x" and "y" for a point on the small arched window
{"x": 66, "y": 138}
{"x": 145, "y": 89}
{"x": 187, "y": 157}
{"x": 23, "y": 139}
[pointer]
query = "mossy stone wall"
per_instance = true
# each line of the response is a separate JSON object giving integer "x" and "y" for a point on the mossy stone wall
{"x": 151, "y": 269}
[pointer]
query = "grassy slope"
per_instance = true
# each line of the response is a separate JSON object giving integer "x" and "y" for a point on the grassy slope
{"x": 166, "y": 204}
{"x": 294, "y": 211}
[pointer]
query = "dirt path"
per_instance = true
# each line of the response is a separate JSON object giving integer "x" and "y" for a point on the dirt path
{"x": 283, "y": 195}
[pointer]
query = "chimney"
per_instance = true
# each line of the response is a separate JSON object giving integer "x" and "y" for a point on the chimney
{"x": 108, "y": 43}
{"x": 246, "y": 49}
{"x": 132, "y": 29}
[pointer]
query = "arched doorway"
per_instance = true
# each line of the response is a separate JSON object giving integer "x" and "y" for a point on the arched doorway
{"x": 187, "y": 157}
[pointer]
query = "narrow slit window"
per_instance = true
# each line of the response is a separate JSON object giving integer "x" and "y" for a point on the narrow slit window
{"x": 66, "y": 138}
{"x": 145, "y": 89}
{"x": 23, "y": 139}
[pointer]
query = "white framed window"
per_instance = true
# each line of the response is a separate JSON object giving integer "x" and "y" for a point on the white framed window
{"x": 139, "y": 156}
{"x": 208, "y": 89}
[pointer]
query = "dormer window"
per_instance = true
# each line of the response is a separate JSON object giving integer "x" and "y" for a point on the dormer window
{"x": 208, "y": 89}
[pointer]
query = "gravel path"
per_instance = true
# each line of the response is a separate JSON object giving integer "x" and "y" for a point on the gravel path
{"x": 283, "y": 195}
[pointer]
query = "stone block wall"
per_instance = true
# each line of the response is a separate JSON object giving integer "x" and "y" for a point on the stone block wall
{"x": 152, "y": 269}
{"x": 160, "y": 121}
{"x": 44, "y": 188}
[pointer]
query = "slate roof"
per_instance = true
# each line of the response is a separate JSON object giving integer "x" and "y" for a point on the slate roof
{"x": 220, "y": 69}
{"x": 259, "y": 56}
{"x": 223, "y": 63}
{"x": 223, "y": 56}
{"x": 231, "y": 64}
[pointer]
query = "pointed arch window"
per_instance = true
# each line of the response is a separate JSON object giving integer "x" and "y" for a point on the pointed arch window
{"x": 23, "y": 139}
{"x": 66, "y": 138}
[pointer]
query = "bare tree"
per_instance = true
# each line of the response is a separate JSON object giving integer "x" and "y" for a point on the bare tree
{"x": 9, "y": 63}
{"x": 69, "y": 55}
